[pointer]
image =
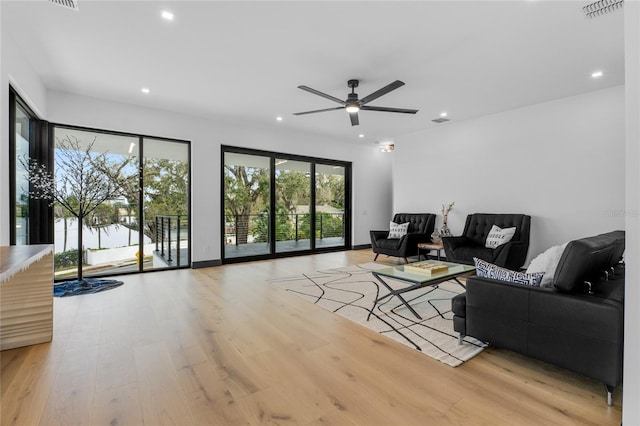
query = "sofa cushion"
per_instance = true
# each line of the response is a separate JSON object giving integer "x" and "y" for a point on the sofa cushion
{"x": 488, "y": 270}
{"x": 386, "y": 243}
{"x": 397, "y": 230}
{"x": 467, "y": 253}
{"x": 498, "y": 236}
{"x": 547, "y": 262}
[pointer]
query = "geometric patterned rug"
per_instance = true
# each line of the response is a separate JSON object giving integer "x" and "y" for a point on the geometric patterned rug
{"x": 350, "y": 292}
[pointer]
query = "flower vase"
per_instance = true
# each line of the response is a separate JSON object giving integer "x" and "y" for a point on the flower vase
{"x": 445, "y": 231}
{"x": 435, "y": 236}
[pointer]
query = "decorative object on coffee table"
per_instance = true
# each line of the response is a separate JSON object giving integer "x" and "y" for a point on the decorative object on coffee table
{"x": 445, "y": 231}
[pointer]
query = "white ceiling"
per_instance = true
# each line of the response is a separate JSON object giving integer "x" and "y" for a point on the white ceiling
{"x": 242, "y": 61}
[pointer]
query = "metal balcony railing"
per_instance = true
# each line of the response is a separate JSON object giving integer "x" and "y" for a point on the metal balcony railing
{"x": 170, "y": 230}
{"x": 254, "y": 227}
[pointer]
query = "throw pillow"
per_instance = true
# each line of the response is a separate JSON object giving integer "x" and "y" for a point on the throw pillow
{"x": 498, "y": 236}
{"x": 489, "y": 270}
{"x": 397, "y": 230}
{"x": 547, "y": 262}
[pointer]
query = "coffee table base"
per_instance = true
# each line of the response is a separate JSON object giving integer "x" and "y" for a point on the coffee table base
{"x": 398, "y": 292}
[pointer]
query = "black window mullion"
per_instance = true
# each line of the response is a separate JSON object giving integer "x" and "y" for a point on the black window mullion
{"x": 312, "y": 209}
{"x": 140, "y": 215}
{"x": 272, "y": 205}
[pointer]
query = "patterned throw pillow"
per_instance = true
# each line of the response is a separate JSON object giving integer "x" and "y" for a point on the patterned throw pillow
{"x": 397, "y": 230}
{"x": 489, "y": 270}
{"x": 498, "y": 236}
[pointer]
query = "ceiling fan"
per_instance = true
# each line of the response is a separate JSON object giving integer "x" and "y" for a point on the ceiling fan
{"x": 353, "y": 104}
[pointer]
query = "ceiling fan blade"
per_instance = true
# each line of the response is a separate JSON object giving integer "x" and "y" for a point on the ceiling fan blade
{"x": 386, "y": 89}
{"x": 324, "y": 95}
{"x": 385, "y": 109}
{"x": 317, "y": 110}
{"x": 354, "y": 118}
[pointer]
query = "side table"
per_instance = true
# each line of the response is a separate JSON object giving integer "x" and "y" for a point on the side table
{"x": 428, "y": 247}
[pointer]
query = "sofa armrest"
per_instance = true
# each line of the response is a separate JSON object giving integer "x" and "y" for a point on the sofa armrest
{"x": 510, "y": 255}
{"x": 376, "y": 235}
{"x": 452, "y": 243}
{"x": 414, "y": 238}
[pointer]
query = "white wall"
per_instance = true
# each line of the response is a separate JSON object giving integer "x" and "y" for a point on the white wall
{"x": 631, "y": 396}
{"x": 562, "y": 162}
{"x": 371, "y": 168}
{"x": 14, "y": 70}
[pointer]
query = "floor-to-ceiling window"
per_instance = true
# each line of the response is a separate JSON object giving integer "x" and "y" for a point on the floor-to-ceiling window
{"x": 293, "y": 205}
{"x": 278, "y": 204}
{"x": 28, "y": 141}
{"x": 165, "y": 204}
{"x": 145, "y": 226}
{"x": 23, "y": 134}
{"x": 330, "y": 205}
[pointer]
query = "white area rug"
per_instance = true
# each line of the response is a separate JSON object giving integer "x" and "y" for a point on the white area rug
{"x": 350, "y": 292}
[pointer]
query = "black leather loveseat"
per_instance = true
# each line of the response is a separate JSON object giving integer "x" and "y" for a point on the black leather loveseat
{"x": 576, "y": 324}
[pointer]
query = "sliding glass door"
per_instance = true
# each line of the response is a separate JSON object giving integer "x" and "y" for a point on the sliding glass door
{"x": 145, "y": 227}
{"x": 293, "y": 205}
{"x": 246, "y": 205}
{"x": 273, "y": 207}
{"x": 330, "y": 206}
{"x": 165, "y": 204}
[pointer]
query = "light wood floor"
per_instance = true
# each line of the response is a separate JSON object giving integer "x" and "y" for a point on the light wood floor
{"x": 220, "y": 346}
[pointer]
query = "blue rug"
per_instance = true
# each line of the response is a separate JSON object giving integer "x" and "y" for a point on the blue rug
{"x": 86, "y": 286}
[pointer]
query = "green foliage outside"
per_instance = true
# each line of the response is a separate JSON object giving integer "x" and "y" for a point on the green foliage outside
{"x": 65, "y": 260}
{"x": 247, "y": 204}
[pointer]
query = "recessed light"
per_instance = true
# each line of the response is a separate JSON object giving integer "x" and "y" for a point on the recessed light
{"x": 443, "y": 114}
{"x": 167, "y": 15}
{"x": 361, "y": 135}
{"x": 146, "y": 90}
{"x": 597, "y": 74}
{"x": 279, "y": 118}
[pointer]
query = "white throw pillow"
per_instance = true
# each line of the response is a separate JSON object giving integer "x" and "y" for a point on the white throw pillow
{"x": 498, "y": 236}
{"x": 397, "y": 230}
{"x": 547, "y": 262}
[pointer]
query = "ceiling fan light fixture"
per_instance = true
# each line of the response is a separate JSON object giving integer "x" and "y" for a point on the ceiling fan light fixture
{"x": 352, "y": 109}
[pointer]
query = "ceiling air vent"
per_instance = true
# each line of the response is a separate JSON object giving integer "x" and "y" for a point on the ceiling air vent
{"x": 601, "y": 7}
{"x": 440, "y": 120}
{"x": 69, "y": 4}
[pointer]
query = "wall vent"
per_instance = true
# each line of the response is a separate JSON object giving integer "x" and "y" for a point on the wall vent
{"x": 69, "y": 4}
{"x": 440, "y": 120}
{"x": 601, "y": 7}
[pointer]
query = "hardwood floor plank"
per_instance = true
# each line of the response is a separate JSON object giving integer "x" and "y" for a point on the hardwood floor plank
{"x": 117, "y": 406}
{"x": 222, "y": 346}
{"x": 163, "y": 403}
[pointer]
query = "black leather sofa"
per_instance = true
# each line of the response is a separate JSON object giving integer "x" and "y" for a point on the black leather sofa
{"x": 576, "y": 324}
{"x": 470, "y": 244}
{"x": 421, "y": 227}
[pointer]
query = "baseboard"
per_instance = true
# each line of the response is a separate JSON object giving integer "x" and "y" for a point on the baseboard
{"x": 361, "y": 247}
{"x": 206, "y": 264}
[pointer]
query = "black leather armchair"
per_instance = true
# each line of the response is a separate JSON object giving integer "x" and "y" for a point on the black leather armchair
{"x": 511, "y": 255}
{"x": 420, "y": 229}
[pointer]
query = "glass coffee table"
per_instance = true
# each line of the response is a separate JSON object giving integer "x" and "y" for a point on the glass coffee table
{"x": 416, "y": 280}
